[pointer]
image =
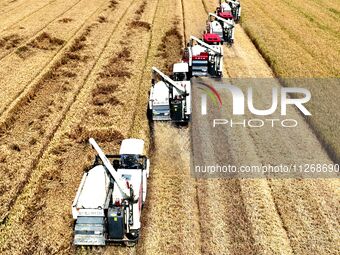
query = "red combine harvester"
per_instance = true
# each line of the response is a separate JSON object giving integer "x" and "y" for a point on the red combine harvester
{"x": 225, "y": 29}
{"x": 224, "y": 11}
{"x": 205, "y": 58}
{"x": 229, "y": 9}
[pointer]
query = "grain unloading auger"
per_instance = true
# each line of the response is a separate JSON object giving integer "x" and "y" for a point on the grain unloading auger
{"x": 170, "y": 99}
{"x": 224, "y": 28}
{"x": 107, "y": 207}
{"x": 204, "y": 58}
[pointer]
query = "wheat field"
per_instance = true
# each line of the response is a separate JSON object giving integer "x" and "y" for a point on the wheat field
{"x": 302, "y": 39}
{"x": 70, "y": 70}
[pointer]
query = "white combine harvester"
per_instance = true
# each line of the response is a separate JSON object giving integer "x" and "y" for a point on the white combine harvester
{"x": 224, "y": 28}
{"x": 205, "y": 58}
{"x": 107, "y": 207}
{"x": 170, "y": 98}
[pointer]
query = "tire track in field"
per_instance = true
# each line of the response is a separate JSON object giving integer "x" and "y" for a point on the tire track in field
{"x": 24, "y": 91}
{"x": 51, "y": 99}
{"x": 225, "y": 228}
{"x": 13, "y": 50}
{"x": 333, "y": 6}
{"x": 171, "y": 191}
{"x": 144, "y": 71}
{"x": 171, "y": 221}
{"x": 10, "y": 5}
{"x": 137, "y": 119}
{"x": 26, "y": 16}
{"x": 75, "y": 157}
{"x": 183, "y": 23}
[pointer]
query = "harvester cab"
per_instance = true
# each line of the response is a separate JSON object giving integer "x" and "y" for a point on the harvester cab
{"x": 212, "y": 39}
{"x": 108, "y": 203}
{"x": 170, "y": 98}
{"x": 204, "y": 59}
{"x": 225, "y": 28}
{"x": 180, "y": 72}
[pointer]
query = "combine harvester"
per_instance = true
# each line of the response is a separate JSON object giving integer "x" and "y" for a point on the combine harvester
{"x": 229, "y": 9}
{"x": 205, "y": 58}
{"x": 170, "y": 98}
{"x": 107, "y": 207}
{"x": 225, "y": 29}
{"x": 224, "y": 11}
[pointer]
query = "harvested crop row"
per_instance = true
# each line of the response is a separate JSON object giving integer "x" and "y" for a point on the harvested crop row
{"x": 23, "y": 11}
{"x": 305, "y": 213}
{"x": 225, "y": 226}
{"x": 41, "y": 53}
{"x": 34, "y": 122}
{"x": 53, "y": 181}
{"x": 309, "y": 209}
{"x": 170, "y": 219}
{"x": 243, "y": 60}
{"x": 164, "y": 50}
{"x": 194, "y": 21}
{"x": 278, "y": 53}
{"x": 24, "y": 31}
